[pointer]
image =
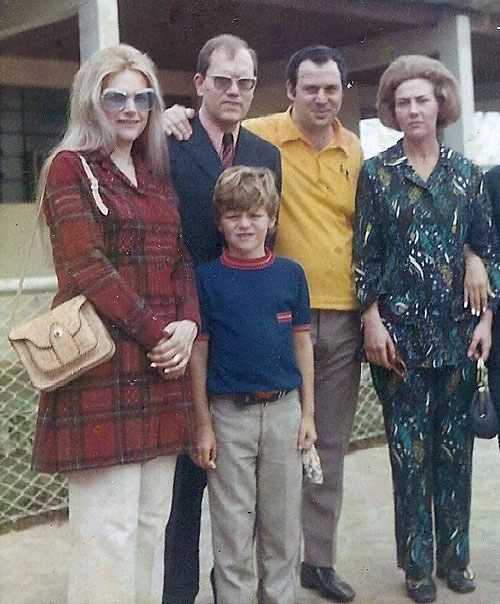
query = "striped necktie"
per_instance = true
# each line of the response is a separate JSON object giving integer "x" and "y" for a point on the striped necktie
{"x": 227, "y": 150}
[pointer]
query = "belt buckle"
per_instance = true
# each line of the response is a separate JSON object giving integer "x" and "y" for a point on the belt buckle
{"x": 242, "y": 399}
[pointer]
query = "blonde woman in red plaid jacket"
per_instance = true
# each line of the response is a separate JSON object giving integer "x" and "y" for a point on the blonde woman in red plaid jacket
{"x": 111, "y": 430}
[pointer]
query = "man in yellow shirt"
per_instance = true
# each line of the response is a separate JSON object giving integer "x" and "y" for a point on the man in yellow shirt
{"x": 321, "y": 161}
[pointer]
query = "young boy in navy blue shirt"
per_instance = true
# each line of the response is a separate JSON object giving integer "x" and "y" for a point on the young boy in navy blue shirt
{"x": 252, "y": 367}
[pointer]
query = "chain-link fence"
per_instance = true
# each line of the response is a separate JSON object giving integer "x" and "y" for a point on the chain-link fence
{"x": 26, "y": 495}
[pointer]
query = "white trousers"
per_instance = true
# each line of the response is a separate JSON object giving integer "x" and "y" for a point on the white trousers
{"x": 117, "y": 519}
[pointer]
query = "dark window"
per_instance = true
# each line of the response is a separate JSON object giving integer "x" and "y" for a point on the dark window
{"x": 32, "y": 122}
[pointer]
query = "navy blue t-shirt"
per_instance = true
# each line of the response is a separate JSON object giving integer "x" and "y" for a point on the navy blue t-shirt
{"x": 249, "y": 310}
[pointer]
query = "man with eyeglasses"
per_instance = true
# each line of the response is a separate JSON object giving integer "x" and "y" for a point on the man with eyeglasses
{"x": 321, "y": 163}
{"x": 225, "y": 80}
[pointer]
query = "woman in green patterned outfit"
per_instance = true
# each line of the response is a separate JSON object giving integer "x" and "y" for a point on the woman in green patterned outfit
{"x": 420, "y": 206}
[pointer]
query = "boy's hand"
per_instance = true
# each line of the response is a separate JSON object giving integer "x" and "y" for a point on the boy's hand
{"x": 205, "y": 447}
{"x": 307, "y": 434}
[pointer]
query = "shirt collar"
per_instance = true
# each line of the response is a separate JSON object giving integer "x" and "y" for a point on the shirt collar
{"x": 247, "y": 263}
{"x": 214, "y": 131}
{"x": 395, "y": 155}
{"x": 290, "y": 132}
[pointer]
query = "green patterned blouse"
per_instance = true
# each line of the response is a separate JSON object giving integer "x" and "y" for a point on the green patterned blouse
{"x": 409, "y": 251}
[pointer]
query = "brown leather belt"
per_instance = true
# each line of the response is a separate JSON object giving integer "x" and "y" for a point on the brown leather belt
{"x": 251, "y": 398}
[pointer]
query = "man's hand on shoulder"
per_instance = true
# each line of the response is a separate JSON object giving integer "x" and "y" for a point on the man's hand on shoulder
{"x": 176, "y": 122}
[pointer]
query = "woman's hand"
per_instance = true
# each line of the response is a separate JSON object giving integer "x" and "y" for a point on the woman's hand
{"x": 172, "y": 353}
{"x": 379, "y": 347}
{"x": 205, "y": 447}
{"x": 480, "y": 344}
{"x": 307, "y": 433}
{"x": 476, "y": 283}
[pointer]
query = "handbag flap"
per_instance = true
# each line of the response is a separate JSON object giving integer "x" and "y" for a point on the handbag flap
{"x": 62, "y": 320}
{"x": 60, "y": 345}
{"x": 59, "y": 337}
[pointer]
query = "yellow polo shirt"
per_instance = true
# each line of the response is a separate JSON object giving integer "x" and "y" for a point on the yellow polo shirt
{"x": 317, "y": 206}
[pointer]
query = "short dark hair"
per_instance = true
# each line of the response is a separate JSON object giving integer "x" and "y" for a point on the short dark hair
{"x": 318, "y": 54}
{"x": 230, "y": 44}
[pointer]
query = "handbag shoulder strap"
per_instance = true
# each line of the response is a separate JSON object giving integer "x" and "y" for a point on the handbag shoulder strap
{"x": 94, "y": 187}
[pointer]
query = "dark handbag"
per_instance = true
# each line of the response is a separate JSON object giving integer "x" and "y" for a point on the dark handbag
{"x": 483, "y": 415}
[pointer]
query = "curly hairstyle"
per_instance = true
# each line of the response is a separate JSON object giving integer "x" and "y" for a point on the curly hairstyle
{"x": 410, "y": 67}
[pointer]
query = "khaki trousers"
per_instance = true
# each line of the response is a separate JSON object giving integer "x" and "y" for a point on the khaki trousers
{"x": 255, "y": 497}
{"x": 117, "y": 519}
{"x": 335, "y": 335}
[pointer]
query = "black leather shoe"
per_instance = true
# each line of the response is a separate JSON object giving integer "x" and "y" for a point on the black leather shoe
{"x": 326, "y": 581}
{"x": 458, "y": 580}
{"x": 421, "y": 590}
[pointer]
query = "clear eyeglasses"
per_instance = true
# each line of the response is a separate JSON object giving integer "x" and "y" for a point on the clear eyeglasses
{"x": 224, "y": 82}
{"x": 115, "y": 100}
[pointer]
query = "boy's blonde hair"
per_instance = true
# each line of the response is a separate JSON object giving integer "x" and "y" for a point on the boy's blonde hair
{"x": 242, "y": 187}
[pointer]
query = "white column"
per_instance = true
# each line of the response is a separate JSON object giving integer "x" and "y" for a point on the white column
{"x": 453, "y": 37}
{"x": 98, "y": 21}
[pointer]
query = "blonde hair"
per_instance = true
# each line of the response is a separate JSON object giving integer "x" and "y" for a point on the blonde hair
{"x": 88, "y": 127}
{"x": 242, "y": 187}
{"x": 410, "y": 67}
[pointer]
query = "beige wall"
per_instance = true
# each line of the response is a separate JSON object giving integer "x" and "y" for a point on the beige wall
{"x": 16, "y": 222}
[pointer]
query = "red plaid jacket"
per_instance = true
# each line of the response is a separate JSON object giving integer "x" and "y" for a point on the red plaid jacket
{"x": 134, "y": 268}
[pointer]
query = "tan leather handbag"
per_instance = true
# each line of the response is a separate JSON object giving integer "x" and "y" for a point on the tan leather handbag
{"x": 62, "y": 344}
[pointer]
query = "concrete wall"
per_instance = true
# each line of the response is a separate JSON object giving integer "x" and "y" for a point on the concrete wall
{"x": 16, "y": 222}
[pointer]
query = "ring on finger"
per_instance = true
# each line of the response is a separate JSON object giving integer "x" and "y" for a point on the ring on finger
{"x": 176, "y": 358}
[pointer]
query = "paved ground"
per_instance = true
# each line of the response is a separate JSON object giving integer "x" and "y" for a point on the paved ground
{"x": 33, "y": 561}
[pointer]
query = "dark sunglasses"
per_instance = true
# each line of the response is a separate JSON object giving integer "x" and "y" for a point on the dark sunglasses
{"x": 115, "y": 100}
{"x": 224, "y": 82}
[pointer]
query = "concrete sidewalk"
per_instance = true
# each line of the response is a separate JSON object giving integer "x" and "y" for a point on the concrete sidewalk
{"x": 33, "y": 562}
